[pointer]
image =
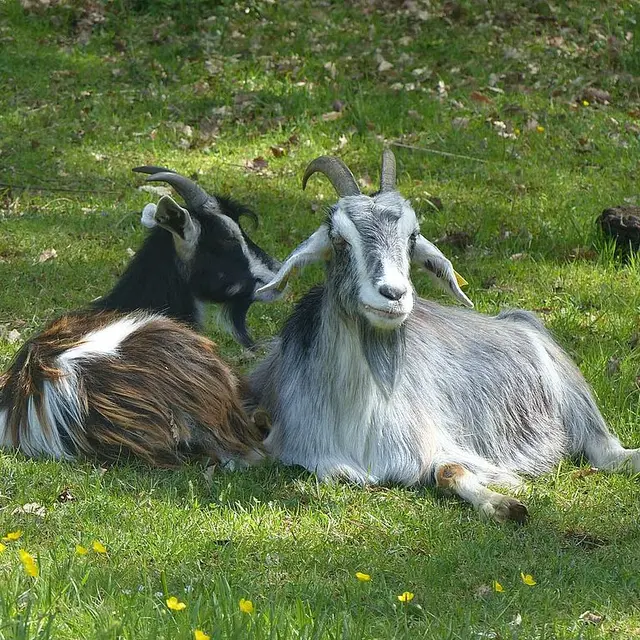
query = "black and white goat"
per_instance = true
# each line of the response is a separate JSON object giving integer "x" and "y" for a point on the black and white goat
{"x": 127, "y": 375}
{"x": 205, "y": 257}
{"x": 370, "y": 383}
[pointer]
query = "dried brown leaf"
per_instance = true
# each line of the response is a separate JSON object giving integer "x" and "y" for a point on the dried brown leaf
{"x": 483, "y": 591}
{"x": 257, "y": 164}
{"x": 31, "y": 508}
{"x": 478, "y": 97}
{"x": 331, "y": 116}
{"x": 590, "y": 617}
{"x": 47, "y": 254}
{"x": 593, "y": 94}
{"x": 583, "y": 473}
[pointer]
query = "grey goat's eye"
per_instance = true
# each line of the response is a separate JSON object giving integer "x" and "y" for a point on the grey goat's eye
{"x": 339, "y": 242}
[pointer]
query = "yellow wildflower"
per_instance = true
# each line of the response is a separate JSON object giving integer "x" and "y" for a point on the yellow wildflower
{"x": 407, "y": 596}
{"x": 29, "y": 563}
{"x": 363, "y": 577}
{"x": 585, "y": 103}
{"x": 2, "y": 547}
{"x": 516, "y": 131}
{"x": 175, "y": 605}
{"x": 246, "y": 606}
{"x": 200, "y": 635}
{"x": 527, "y": 578}
{"x": 98, "y": 547}
{"x": 497, "y": 586}
{"x": 540, "y": 129}
{"x": 13, "y": 535}
{"x": 81, "y": 551}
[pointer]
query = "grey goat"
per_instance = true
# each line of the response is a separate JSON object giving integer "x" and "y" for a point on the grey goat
{"x": 368, "y": 382}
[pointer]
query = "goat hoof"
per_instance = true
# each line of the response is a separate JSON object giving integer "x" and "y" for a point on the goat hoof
{"x": 506, "y": 509}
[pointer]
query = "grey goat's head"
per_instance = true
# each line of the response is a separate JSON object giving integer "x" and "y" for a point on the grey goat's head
{"x": 368, "y": 243}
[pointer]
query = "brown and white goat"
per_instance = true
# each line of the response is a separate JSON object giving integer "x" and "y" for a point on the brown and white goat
{"x": 105, "y": 385}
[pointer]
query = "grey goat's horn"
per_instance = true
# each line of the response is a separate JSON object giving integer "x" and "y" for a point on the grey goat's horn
{"x": 338, "y": 173}
{"x": 193, "y": 195}
{"x": 388, "y": 171}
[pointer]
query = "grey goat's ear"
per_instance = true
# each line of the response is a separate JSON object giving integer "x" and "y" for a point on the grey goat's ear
{"x": 316, "y": 247}
{"x": 440, "y": 269}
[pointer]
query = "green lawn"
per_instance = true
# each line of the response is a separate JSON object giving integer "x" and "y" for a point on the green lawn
{"x": 89, "y": 89}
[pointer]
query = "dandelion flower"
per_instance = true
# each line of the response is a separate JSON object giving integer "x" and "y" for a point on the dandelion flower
{"x": 246, "y": 606}
{"x": 200, "y": 635}
{"x": 29, "y": 563}
{"x": 98, "y": 547}
{"x": 13, "y": 535}
{"x": 81, "y": 551}
{"x": 407, "y": 596}
{"x": 175, "y": 605}
{"x": 527, "y": 578}
{"x": 516, "y": 131}
{"x": 2, "y": 547}
{"x": 497, "y": 586}
{"x": 585, "y": 103}
{"x": 363, "y": 577}
{"x": 540, "y": 129}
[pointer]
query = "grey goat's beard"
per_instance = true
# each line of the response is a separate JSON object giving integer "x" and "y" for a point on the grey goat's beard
{"x": 384, "y": 352}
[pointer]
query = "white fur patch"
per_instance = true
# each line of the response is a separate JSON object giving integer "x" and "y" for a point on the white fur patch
{"x": 5, "y": 443}
{"x": 148, "y": 218}
{"x": 61, "y": 407}
{"x": 103, "y": 342}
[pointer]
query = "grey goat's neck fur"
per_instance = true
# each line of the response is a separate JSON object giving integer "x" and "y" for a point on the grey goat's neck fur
{"x": 384, "y": 351}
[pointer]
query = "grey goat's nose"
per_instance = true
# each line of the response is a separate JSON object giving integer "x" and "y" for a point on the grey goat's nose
{"x": 392, "y": 293}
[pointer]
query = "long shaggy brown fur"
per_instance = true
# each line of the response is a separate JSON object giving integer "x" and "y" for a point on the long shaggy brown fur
{"x": 161, "y": 394}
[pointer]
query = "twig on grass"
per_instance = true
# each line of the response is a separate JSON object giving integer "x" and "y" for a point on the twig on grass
{"x": 34, "y": 187}
{"x": 435, "y": 151}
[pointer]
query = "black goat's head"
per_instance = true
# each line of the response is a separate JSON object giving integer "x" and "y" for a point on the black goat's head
{"x": 220, "y": 262}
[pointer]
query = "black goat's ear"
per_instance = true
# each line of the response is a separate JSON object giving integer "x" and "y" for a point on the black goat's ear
{"x": 169, "y": 215}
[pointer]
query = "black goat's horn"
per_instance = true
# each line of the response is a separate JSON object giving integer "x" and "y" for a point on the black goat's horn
{"x": 193, "y": 195}
{"x": 149, "y": 168}
{"x": 388, "y": 171}
{"x": 338, "y": 173}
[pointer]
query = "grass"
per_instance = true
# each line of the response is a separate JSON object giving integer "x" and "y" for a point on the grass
{"x": 90, "y": 89}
